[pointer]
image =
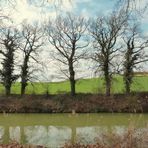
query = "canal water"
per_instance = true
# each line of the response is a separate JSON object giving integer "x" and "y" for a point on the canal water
{"x": 54, "y": 130}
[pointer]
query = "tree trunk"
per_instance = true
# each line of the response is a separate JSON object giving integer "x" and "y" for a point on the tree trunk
{"x": 22, "y": 89}
{"x": 107, "y": 77}
{"x": 128, "y": 69}
{"x": 72, "y": 84}
{"x": 7, "y": 90}
{"x": 23, "y": 86}
{"x": 24, "y": 75}
{"x": 108, "y": 86}
{"x": 72, "y": 79}
{"x": 127, "y": 88}
{"x": 127, "y": 84}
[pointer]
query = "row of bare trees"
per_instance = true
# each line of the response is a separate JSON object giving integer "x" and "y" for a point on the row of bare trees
{"x": 16, "y": 44}
{"x": 112, "y": 37}
{"x": 104, "y": 40}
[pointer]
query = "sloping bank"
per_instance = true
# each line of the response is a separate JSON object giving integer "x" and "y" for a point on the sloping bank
{"x": 81, "y": 103}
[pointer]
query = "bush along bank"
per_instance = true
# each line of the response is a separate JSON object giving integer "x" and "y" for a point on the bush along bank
{"x": 81, "y": 103}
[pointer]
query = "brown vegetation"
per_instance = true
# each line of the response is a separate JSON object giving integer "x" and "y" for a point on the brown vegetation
{"x": 81, "y": 103}
{"x": 16, "y": 145}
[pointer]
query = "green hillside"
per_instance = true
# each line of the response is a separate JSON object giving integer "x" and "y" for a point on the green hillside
{"x": 93, "y": 85}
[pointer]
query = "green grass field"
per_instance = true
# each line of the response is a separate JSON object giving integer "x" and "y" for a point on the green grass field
{"x": 94, "y": 85}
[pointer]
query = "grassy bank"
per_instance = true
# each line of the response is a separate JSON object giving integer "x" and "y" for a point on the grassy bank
{"x": 81, "y": 103}
{"x": 94, "y": 85}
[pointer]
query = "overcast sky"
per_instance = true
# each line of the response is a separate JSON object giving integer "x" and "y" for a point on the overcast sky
{"x": 89, "y": 8}
{"x": 25, "y": 10}
{"x": 30, "y": 11}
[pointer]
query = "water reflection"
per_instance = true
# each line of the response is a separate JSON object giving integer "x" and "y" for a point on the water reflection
{"x": 57, "y": 136}
{"x": 15, "y": 133}
{"x": 89, "y": 134}
{"x": 119, "y": 130}
{"x": 35, "y": 135}
{"x": 1, "y": 133}
{"x": 49, "y": 136}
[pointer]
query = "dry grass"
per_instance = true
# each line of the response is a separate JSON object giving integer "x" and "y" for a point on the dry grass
{"x": 16, "y": 145}
{"x": 81, "y": 103}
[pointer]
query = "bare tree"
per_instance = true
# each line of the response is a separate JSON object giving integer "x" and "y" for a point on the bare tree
{"x": 32, "y": 41}
{"x": 10, "y": 45}
{"x": 137, "y": 5}
{"x": 105, "y": 32}
{"x": 134, "y": 54}
{"x": 67, "y": 35}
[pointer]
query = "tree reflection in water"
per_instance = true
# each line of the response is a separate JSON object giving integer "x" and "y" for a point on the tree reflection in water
{"x": 48, "y": 136}
{"x": 57, "y": 136}
{"x": 1, "y": 133}
{"x": 15, "y": 133}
